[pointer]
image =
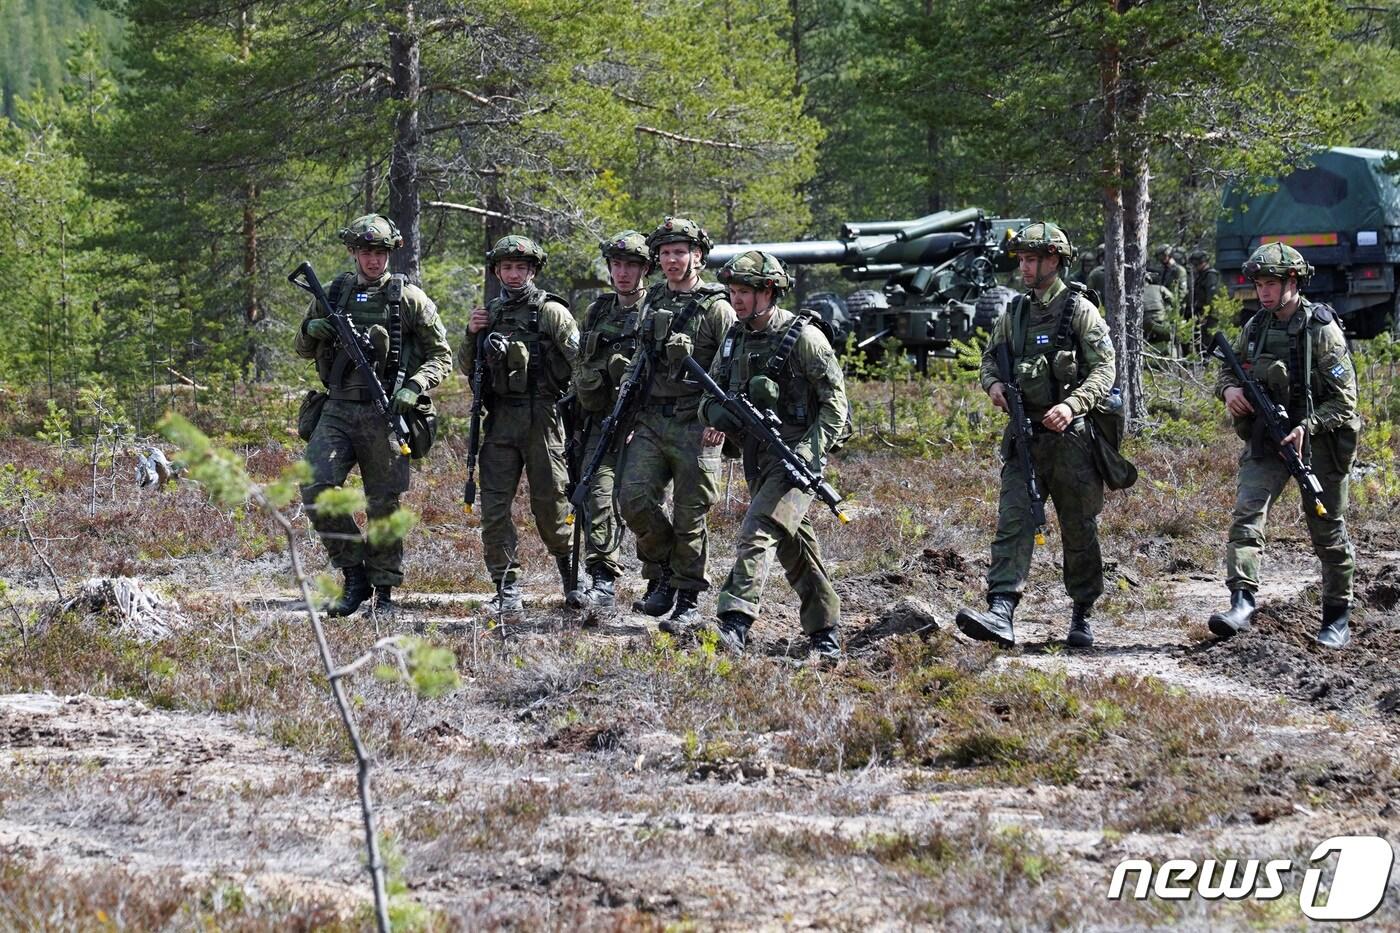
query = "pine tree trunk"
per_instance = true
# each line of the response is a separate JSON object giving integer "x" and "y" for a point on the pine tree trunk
{"x": 404, "y": 205}
{"x": 1136, "y": 208}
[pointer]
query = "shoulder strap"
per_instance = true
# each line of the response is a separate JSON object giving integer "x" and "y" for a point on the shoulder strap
{"x": 600, "y": 308}
{"x": 726, "y": 354}
{"x": 777, "y": 362}
{"x": 393, "y": 296}
{"x": 1016, "y": 326}
{"x": 339, "y": 293}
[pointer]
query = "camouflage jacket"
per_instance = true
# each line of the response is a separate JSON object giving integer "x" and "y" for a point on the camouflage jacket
{"x": 540, "y": 344}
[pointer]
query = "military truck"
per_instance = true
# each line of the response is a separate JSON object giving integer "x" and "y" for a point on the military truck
{"x": 1342, "y": 212}
{"x": 939, "y": 273}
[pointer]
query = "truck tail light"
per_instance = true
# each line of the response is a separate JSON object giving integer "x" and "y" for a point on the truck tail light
{"x": 1366, "y": 272}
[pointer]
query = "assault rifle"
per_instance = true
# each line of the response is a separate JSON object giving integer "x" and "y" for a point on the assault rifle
{"x": 1021, "y": 436}
{"x": 355, "y": 343}
{"x": 575, "y": 440}
{"x": 474, "y": 431}
{"x": 1275, "y": 419}
{"x": 762, "y": 426}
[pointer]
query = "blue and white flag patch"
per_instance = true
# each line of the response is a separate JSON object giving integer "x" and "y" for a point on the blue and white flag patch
{"x": 1338, "y": 371}
{"x": 362, "y": 296}
{"x": 1042, "y": 339}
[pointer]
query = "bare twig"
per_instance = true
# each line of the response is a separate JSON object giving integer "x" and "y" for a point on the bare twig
{"x": 29, "y": 534}
{"x": 694, "y": 140}
{"x": 452, "y": 206}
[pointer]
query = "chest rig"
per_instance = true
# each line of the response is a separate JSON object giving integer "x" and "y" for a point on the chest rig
{"x": 606, "y": 332}
{"x": 1048, "y": 358}
{"x": 518, "y": 351}
{"x": 1263, "y": 341}
{"x": 365, "y": 309}
{"x": 765, "y": 356}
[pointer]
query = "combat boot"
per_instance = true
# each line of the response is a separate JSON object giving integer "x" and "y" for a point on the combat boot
{"x": 600, "y": 593}
{"x": 660, "y": 600}
{"x": 565, "y": 564}
{"x": 639, "y": 604}
{"x": 992, "y": 625}
{"x": 1236, "y": 619}
{"x": 824, "y": 646}
{"x": 508, "y": 598}
{"x": 1080, "y": 635}
{"x": 357, "y": 590}
{"x": 383, "y": 605}
{"x": 685, "y": 615}
{"x": 734, "y": 631}
{"x": 1336, "y": 621}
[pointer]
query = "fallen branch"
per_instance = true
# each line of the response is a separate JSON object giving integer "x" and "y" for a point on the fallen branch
{"x": 694, "y": 140}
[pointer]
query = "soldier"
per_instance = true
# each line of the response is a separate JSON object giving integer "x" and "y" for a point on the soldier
{"x": 607, "y": 342}
{"x": 1063, "y": 357}
{"x": 1298, "y": 354}
{"x": 1096, "y": 276}
{"x": 1158, "y": 312}
{"x": 683, "y": 316}
{"x": 1205, "y": 288}
{"x": 350, "y": 430}
{"x": 785, "y": 364}
{"x": 1171, "y": 274}
{"x": 530, "y": 342}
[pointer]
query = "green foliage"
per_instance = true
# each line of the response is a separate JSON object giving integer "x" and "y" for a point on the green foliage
{"x": 431, "y": 671}
{"x": 341, "y": 501}
{"x": 391, "y": 528}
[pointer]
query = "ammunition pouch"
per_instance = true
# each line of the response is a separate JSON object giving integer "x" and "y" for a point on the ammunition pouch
{"x": 1065, "y": 367}
{"x": 1037, "y": 382}
{"x": 309, "y": 414}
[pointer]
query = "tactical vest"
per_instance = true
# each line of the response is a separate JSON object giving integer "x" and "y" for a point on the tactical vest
{"x": 523, "y": 362}
{"x": 383, "y": 307}
{"x": 1278, "y": 359}
{"x": 664, "y": 385}
{"x": 608, "y": 330}
{"x": 1047, "y": 356}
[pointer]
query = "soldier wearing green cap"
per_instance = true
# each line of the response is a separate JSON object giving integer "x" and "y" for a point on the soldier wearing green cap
{"x": 1297, "y": 352}
{"x": 530, "y": 342}
{"x": 1063, "y": 358}
{"x": 785, "y": 364}
{"x": 606, "y": 344}
{"x": 412, "y": 356}
{"x": 682, "y": 316}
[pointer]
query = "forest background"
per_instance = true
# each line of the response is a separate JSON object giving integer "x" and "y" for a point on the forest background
{"x": 164, "y": 164}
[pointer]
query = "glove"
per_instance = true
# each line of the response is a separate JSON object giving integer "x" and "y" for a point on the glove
{"x": 763, "y": 392}
{"x": 617, "y": 368}
{"x": 678, "y": 347}
{"x": 319, "y": 328}
{"x": 722, "y": 419}
{"x": 379, "y": 341}
{"x": 406, "y": 399}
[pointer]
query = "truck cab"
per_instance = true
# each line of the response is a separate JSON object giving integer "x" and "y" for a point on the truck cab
{"x": 1342, "y": 213}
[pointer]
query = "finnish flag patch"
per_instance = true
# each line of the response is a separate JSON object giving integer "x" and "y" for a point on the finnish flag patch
{"x": 1338, "y": 371}
{"x": 1042, "y": 339}
{"x": 362, "y": 296}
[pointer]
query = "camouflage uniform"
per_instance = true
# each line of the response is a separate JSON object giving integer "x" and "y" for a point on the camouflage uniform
{"x": 535, "y": 345}
{"x": 1172, "y": 276}
{"x": 1082, "y": 378}
{"x": 1205, "y": 289}
{"x": 351, "y": 431}
{"x": 812, "y": 407}
{"x": 1158, "y": 311}
{"x": 607, "y": 343}
{"x": 665, "y": 444}
{"x": 1265, "y": 344}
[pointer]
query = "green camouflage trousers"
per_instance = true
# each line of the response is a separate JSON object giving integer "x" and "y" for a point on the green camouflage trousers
{"x": 777, "y": 520}
{"x": 1261, "y": 480}
{"x": 665, "y": 449}
{"x": 351, "y": 433}
{"x": 526, "y": 438}
{"x": 602, "y": 527}
{"x": 1064, "y": 463}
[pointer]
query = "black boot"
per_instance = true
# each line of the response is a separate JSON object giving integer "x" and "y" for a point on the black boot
{"x": 734, "y": 631}
{"x": 384, "y": 605}
{"x": 660, "y": 600}
{"x": 357, "y": 590}
{"x": 1236, "y": 619}
{"x": 565, "y": 564}
{"x": 508, "y": 598}
{"x": 685, "y": 616}
{"x": 824, "y": 645}
{"x": 599, "y": 593}
{"x": 1079, "y": 634}
{"x": 992, "y": 625}
{"x": 1336, "y": 621}
{"x": 639, "y": 604}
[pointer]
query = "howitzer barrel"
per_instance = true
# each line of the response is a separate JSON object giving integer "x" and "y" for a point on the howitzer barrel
{"x": 934, "y": 223}
{"x": 796, "y": 252}
{"x": 850, "y": 231}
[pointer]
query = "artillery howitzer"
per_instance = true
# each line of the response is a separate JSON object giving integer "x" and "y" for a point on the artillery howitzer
{"x": 939, "y": 272}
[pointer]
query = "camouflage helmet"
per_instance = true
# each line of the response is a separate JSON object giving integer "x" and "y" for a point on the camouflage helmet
{"x": 1198, "y": 255}
{"x": 628, "y": 245}
{"x": 371, "y": 230}
{"x": 1161, "y": 248}
{"x": 1041, "y": 237}
{"x": 757, "y": 269}
{"x": 679, "y": 230}
{"x": 1277, "y": 260}
{"x": 516, "y": 247}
